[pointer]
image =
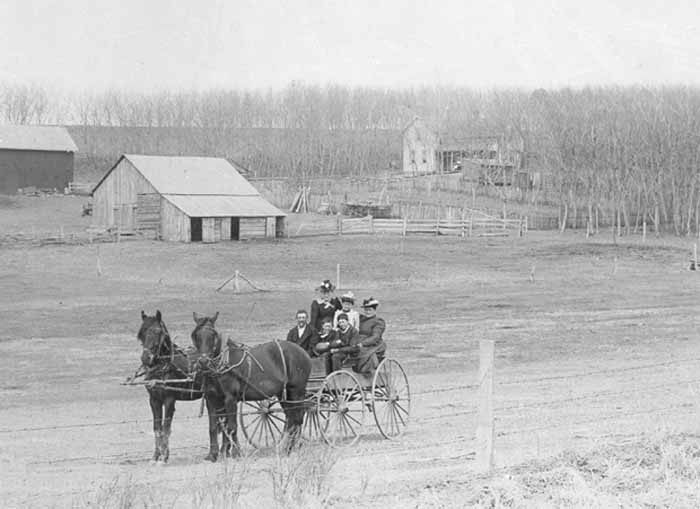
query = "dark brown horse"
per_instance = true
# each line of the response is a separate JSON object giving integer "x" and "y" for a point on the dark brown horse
{"x": 162, "y": 360}
{"x": 275, "y": 369}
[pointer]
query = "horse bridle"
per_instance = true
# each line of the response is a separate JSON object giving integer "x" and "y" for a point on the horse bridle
{"x": 161, "y": 340}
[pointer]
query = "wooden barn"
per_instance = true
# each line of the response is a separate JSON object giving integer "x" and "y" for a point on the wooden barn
{"x": 188, "y": 199}
{"x": 35, "y": 156}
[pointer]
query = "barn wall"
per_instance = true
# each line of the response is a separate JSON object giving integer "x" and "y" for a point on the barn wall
{"x": 175, "y": 224}
{"x": 253, "y": 227}
{"x": 148, "y": 218}
{"x": 419, "y": 146}
{"x": 116, "y": 198}
{"x": 38, "y": 168}
{"x": 225, "y": 228}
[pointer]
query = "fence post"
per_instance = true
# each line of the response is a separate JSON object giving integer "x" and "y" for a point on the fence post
{"x": 437, "y": 222}
{"x": 464, "y": 226}
{"x": 405, "y": 226}
{"x": 525, "y": 224}
{"x": 644, "y": 230}
{"x": 485, "y": 425}
{"x": 236, "y": 283}
{"x": 471, "y": 222}
{"x": 340, "y": 224}
{"x": 371, "y": 224}
{"x": 337, "y": 276}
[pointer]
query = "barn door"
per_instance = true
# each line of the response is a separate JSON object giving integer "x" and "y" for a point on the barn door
{"x": 196, "y": 229}
{"x": 235, "y": 228}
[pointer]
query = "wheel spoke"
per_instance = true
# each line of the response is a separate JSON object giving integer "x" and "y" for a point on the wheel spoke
{"x": 349, "y": 426}
{"x": 400, "y": 408}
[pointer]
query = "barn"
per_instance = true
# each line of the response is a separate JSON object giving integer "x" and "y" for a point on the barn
{"x": 187, "y": 199}
{"x": 35, "y": 156}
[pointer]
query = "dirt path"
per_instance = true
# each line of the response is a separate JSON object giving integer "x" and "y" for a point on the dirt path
{"x": 584, "y": 356}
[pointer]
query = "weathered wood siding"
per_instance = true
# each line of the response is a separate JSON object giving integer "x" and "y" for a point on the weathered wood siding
{"x": 253, "y": 227}
{"x": 175, "y": 225}
{"x": 225, "y": 228}
{"x": 116, "y": 199}
{"x": 419, "y": 149}
{"x": 148, "y": 215}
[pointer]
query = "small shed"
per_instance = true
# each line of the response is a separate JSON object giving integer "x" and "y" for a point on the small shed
{"x": 35, "y": 156}
{"x": 187, "y": 199}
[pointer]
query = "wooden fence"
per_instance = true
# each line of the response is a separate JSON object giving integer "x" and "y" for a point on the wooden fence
{"x": 471, "y": 226}
{"x": 80, "y": 188}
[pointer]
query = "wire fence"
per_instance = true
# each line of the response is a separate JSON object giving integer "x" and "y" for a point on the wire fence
{"x": 617, "y": 404}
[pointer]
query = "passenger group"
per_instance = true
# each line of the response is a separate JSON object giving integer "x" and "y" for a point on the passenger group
{"x": 337, "y": 332}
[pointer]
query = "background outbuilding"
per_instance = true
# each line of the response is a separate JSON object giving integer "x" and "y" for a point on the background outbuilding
{"x": 186, "y": 199}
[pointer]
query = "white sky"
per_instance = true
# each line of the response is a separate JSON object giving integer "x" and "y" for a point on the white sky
{"x": 185, "y": 44}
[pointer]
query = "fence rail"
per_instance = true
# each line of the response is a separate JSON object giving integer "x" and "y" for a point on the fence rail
{"x": 80, "y": 188}
{"x": 480, "y": 225}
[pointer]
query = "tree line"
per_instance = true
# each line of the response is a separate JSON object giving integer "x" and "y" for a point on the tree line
{"x": 630, "y": 152}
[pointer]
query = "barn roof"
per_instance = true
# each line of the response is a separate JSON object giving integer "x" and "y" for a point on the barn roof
{"x": 34, "y": 137}
{"x": 223, "y": 206}
{"x": 192, "y": 175}
{"x": 201, "y": 186}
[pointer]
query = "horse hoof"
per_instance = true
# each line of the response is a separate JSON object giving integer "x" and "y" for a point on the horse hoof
{"x": 211, "y": 457}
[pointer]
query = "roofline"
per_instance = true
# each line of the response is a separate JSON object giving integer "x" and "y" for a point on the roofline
{"x": 107, "y": 174}
{"x": 39, "y": 150}
{"x": 282, "y": 214}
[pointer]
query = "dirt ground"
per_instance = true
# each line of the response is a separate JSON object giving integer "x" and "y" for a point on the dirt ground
{"x": 595, "y": 342}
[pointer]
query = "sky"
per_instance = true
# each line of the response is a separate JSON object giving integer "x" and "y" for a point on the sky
{"x": 154, "y": 45}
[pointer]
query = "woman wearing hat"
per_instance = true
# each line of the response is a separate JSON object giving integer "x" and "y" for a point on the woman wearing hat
{"x": 372, "y": 346}
{"x": 324, "y": 306}
{"x": 347, "y": 300}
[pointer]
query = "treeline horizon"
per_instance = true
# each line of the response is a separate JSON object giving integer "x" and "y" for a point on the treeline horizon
{"x": 630, "y": 151}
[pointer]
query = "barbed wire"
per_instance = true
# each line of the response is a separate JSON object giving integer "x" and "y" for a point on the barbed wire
{"x": 637, "y": 390}
{"x": 598, "y": 372}
{"x": 443, "y": 390}
{"x": 621, "y": 415}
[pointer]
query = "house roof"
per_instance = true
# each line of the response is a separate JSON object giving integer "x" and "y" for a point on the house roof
{"x": 32, "y": 137}
{"x": 201, "y": 186}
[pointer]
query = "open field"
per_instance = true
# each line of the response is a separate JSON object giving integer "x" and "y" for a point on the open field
{"x": 601, "y": 349}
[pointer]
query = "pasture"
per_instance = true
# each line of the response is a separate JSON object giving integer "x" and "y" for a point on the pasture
{"x": 598, "y": 352}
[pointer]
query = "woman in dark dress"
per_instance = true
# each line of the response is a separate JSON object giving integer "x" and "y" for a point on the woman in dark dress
{"x": 324, "y": 305}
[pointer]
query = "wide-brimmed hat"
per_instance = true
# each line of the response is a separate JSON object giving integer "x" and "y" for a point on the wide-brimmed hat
{"x": 370, "y": 303}
{"x": 326, "y": 286}
{"x": 348, "y": 297}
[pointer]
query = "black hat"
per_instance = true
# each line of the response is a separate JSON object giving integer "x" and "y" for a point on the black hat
{"x": 370, "y": 303}
{"x": 326, "y": 286}
{"x": 342, "y": 316}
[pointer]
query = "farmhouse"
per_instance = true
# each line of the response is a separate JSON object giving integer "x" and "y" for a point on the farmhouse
{"x": 428, "y": 149}
{"x": 186, "y": 199}
{"x": 38, "y": 156}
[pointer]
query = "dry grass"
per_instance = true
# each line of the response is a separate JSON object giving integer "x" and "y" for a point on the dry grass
{"x": 660, "y": 470}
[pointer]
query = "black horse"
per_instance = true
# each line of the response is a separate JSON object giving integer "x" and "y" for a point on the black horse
{"x": 162, "y": 360}
{"x": 276, "y": 369}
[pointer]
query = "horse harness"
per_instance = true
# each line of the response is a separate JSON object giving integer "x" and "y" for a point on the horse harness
{"x": 222, "y": 366}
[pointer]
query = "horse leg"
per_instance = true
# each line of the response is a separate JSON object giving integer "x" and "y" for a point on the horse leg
{"x": 169, "y": 407}
{"x": 157, "y": 410}
{"x": 213, "y": 430}
{"x": 232, "y": 424}
{"x": 294, "y": 411}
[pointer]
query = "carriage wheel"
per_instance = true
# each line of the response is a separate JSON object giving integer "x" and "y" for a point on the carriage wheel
{"x": 391, "y": 399}
{"x": 341, "y": 409}
{"x": 262, "y": 422}
{"x": 311, "y": 427}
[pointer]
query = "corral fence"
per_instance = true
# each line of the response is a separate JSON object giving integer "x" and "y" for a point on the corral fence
{"x": 80, "y": 188}
{"x": 474, "y": 225}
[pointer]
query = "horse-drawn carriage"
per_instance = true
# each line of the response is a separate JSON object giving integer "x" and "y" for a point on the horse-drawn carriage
{"x": 337, "y": 404}
{"x": 270, "y": 388}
